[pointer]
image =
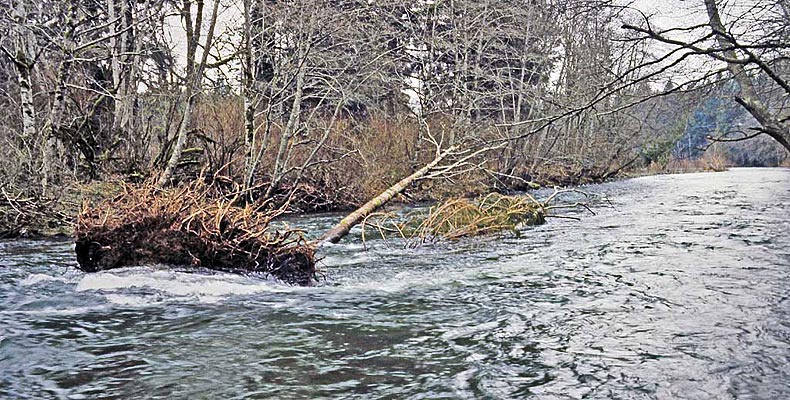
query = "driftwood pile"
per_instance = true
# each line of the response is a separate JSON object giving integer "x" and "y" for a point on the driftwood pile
{"x": 188, "y": 226}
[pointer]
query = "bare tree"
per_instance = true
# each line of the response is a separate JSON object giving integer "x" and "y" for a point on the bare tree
{"x": 23, "y": 55}
{"x": 747, "y": 54}
{"x": 195, "y": 67}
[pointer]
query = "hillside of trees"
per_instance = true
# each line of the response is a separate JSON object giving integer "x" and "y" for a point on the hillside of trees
{"x": 321, "y": 104}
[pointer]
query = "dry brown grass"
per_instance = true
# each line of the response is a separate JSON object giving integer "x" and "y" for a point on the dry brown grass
{"x": 220, "y": 134}
{"x": 710, "y": 161}
{"x": 362, "y": 157}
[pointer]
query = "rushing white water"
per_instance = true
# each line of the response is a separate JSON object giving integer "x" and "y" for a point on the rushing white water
{"x": 677, "y": 288}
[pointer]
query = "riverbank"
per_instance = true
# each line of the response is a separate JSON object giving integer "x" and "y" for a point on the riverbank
{"x": 30, "y": 217}
{"x": 24, "y": 216}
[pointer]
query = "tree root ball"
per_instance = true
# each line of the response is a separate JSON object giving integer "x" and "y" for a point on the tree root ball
{"x": 182, "y": 227}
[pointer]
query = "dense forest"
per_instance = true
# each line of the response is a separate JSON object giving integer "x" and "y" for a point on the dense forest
{"x": 316, "y": 105}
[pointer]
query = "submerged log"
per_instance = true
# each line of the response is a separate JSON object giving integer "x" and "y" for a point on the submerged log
{"x": 182, "y": 227}
{"x": 463, "y": 217}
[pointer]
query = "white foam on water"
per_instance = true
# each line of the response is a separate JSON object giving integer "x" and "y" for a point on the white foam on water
{"x": 55, "y": 311}
{"x": 462, "y": 382}
{"x": 171, "y": 285}
{"x": 35, "y": 279}
{"x": 134, "y": 301}
{"x": 398, "y": 282}
{"x": 349, "y": 246}
{"x": 411, "y": 279}
{"x": 332, "y": 261}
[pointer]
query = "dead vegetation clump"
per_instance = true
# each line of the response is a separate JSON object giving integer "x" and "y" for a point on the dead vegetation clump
{"x": 463, "y": 217}
{"x": 189, "y": 226}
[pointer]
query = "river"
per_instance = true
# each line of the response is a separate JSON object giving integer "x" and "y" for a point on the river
{"x": 678, "y": 287}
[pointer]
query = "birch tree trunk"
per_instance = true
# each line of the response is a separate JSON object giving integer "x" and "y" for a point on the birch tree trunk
{"x": 24, "y": 68}
{"x": 253, "y": 17}
{"x": 344, "y": 226}
{"x": 23, "y": 64}
{"x": 25, "y": 80}
{"x": 119, "y": 44}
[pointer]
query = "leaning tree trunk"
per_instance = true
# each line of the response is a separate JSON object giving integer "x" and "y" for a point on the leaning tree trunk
{"x": 181, "y": 140}
{"x": 292, "y": 125}
{"x": 344, "y": 226}
{"x": 771, "y": 124}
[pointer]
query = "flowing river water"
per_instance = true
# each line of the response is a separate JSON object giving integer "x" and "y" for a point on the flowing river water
{"x": 679, "y": 287}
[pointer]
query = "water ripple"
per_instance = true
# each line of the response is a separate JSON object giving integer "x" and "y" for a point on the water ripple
{"x": 677, "y": 288}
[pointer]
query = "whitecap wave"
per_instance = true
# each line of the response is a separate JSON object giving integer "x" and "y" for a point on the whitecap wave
{"x": 173, "y": 285}
{"x": 35, "y": 279}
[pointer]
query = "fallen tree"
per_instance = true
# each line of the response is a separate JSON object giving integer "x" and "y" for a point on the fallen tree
{"x": 193, "y": 225}
{"x": 458, "y": 218}
{"x": 344, "y": 226}
{"x": 458, "y": 161}
{"x": 189, "y": 226}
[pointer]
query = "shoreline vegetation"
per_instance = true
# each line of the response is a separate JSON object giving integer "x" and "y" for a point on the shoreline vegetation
{"x": 25, "y": 217}
{"x": 35, "y": 217}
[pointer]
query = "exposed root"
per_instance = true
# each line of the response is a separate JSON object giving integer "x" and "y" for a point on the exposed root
{"x": 185, "y": 227}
